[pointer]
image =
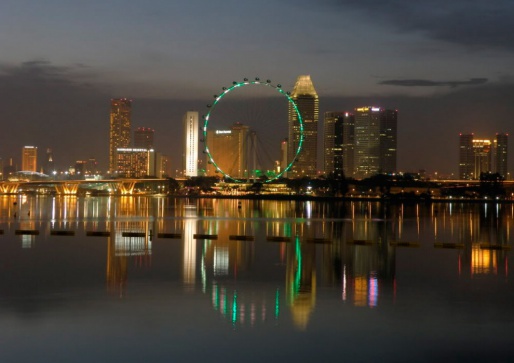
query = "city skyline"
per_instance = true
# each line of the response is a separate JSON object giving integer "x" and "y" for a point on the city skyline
{"x": 447, "y": 69}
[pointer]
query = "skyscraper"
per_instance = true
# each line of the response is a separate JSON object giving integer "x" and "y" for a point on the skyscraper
{"x": 500, "y": 154}
{"x": 29, "y": 158}
{"x": 466, "y": 156}
{"x": 375, "y": 141}
{"x": 482, "y": 157}
{"x": 119, "y": 131}
{"x": 229, "y": 149}
{"x": 331, "y": 147}
{"x": 307, "y": 102}
{"x": 190, "y": 122}
{"x": 339, "y": 143}
{"x": 143, "y": 138}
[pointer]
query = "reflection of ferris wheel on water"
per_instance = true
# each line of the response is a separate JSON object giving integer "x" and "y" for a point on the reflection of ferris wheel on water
{"x": 240, "y": 134}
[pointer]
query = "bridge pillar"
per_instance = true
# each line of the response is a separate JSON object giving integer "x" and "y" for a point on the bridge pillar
{"x": 9, "y": 187}
{"x": 127, "y": 187}
{"x": 67, "y": 188}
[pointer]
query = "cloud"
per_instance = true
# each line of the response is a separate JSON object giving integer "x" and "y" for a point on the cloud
{"x": 428, "y": 83}
{"x": 475, "y": 23}
{"x": 49, "y": 105}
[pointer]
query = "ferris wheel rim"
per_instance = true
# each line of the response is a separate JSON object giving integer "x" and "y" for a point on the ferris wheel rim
{"x": 238, "y": 84}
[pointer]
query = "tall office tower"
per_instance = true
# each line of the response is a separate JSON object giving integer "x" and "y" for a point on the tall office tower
{"x": 307, "y": 102}
{"x": 143, "y": 138}
{"x": 466, "y": 156}
{"x": 331, "y": 147}
{"x": 500, "y": 154}
{"x": 367, "y": 142}
{"x": 29, "y": 158}
{"x": 374, "y": 141}
{"x": 190, "y": 156}
{"x": 388, "y": 145}
{"x": 119, "y": 132}
{"x": 482, "y": 157}
{"x": 229, "y": 149}
{"x": 348, "y": 144}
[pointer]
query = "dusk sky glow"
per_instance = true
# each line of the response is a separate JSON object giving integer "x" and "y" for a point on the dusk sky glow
{"x": 445, "y": 65}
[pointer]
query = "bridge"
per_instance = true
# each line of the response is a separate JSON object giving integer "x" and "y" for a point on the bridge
{"x": 74, "y": 187}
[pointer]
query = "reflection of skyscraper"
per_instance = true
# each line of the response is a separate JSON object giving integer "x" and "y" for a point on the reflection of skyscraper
{"x": 307, "y": 102}
{"x": 301, "y": 282}
{"x": 190, "y": 122}
{"x": 143, "y": 138}
{"x": 189, "y": 268}
{"x": 119, "y": 132}
{"x": 29, "y": 158}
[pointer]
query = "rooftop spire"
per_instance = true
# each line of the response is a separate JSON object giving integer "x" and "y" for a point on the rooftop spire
{"x": 304, "y": 86}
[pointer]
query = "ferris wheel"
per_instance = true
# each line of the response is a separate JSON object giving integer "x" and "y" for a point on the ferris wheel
{"x": 217, "y": 159}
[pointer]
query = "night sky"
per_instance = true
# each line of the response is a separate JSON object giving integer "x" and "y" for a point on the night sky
{"x": 447, "y": 66}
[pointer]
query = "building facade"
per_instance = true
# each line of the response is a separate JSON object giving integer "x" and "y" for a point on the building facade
{"x": 135, "y": 162}
{"x": 466, "y": 156}
{"x": 306, "y": 99}
{"x": 388, "y": 141}
{"x": 120, "y": 129}
{"x": 481, "y": 157}
{"x": 229, "y": 149}
{"x": 332, "y": 141}
{"x": 190, "y": 151}
{"x": 29, "y": 158}
{"x": 501, "y": 148}
{"x": 144, "y": 138}
{"x": 477, "y": 156}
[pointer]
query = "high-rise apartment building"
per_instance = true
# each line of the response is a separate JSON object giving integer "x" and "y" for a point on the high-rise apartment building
{"x": 500, "y": 148}
{"x": 229, "y": 149}
{"x": 307, "y": 102}
{"x": 375, "y": 142}
{"x": 143, "y": 138}
{"x": 191, "y": 128}
{"x": 120, "y": 128}
{"x": 29, "y": 158}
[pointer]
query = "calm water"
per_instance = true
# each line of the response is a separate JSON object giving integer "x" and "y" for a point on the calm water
{"x": 354, "y": 281}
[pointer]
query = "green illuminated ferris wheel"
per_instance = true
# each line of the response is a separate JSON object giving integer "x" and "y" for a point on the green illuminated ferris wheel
{"x": 246, "y": 83}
